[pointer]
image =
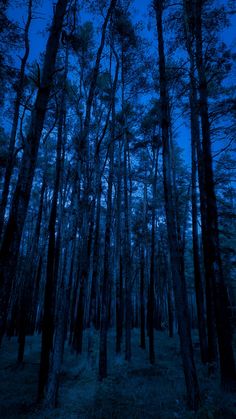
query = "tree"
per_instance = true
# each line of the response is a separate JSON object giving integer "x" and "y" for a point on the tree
{"x": 12, "y": 235}
{"x": 19, "y": 91}
{"x": 213, "y": 264}
{"x": 193, "y": 394}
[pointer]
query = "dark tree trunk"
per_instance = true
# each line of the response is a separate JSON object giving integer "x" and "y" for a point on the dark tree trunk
{"x": 198, "y": 279}
{"x": 213, "y": 264}
{"x": 95, "y": 274}
{"x": 11, "y": 149}
{"x": 12, "y": 236}
{"x": 54, "y": 316}
{"x": 107, "y": 271}
{"x": 119, "y": 270}
{"x": 170, "y": 309}
{"x": 52, "y": 257}
{"x": 22, "y": 330}
{"x": 59, "y": 341}
{"x": 106, "y": 275}
{"x": 142, "y": 300}
{"x": 127, "y": 255}
{"x": 151, "y": 296}
{"x": 193, "y": 394}
{"x": 212, "y": 353}
{"x": 79, "y": 319}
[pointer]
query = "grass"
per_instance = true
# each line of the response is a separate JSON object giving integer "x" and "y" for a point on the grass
{"x": 135, "y": 390}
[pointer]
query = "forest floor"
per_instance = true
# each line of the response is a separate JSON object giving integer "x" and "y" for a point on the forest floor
{"x": 135, "y": 390}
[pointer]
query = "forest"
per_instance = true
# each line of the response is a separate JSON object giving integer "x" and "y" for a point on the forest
{"x": 117, "y": 209}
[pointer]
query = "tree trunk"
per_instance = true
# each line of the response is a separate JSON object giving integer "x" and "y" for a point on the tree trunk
{"x": 127, "y": 255}
{"x": 106, "y": 275}
{"x": 151, "y": 297}
{"x": 12, "y": 236}
{"x": 119, "y": 269}
{"x": 198, "y": 279}
{"x": 193, "y": 394}
{"x": 59, "y": 341}
{"x": 212, "y": 353}
{"x": 107, "y": 272}
{"x": 142, "y": 299}
{"x": 11, "y": 149}
{"x": 52, "y": 263}
{"x": 213, "y": 264}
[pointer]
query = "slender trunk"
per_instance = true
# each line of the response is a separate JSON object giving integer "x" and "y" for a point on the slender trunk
{"x": 107, "y": 272}
{"x": 212, "y": 353}
{"x": 52, "y": 265}
{"x": 83, "y": 274}
{"x": 84, "y": 149}
{"x": 95, "y": 274}
{"x": 127, "y": 256}
{"x": 198, "y": 280}
{"x": 119, "y": 270}
{"x": 170, "y": 305}
{"x": 11, "y": 149}
{"x": 106, "y": 276}
{"x": 151, "y": 299}
{"x": 95, "y": 76}
{"x": 58, "y": 305}
{"x": 79, "y": 319}
{"x": 59, "y": 341}
{"x": 22, "y": 330}
{"x": 96, "y": 267}
{"x": 12, "y": 236}
{"x": 213, "y": 264}
{"x": 142, "y": 300}
{"x": 193, "y": 394}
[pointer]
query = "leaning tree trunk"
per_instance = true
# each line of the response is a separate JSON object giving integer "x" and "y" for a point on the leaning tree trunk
{"x": 193, "y": 394}
{"x": 12, "y": 236}
{"x": 213, "y": 264}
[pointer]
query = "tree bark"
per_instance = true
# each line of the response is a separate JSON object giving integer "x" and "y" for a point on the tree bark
{"x": 19, "y": 92}
{"x": 212, "y": 353}
{"x": 12, "y": 236}
{"x": 106, "y": 276}
{"x": 142, "y": 299}
{"x": 119, "y": 269}
{"x": 193, "y": 394}
{"x": 107, "y": 271}
{"x": 151, "y": 299}
{"x": 213, "y": 264}
{"x": 52, "y": 263}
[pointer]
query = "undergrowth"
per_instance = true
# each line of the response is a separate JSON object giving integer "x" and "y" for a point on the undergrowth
{"x": 135, "y": 390}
